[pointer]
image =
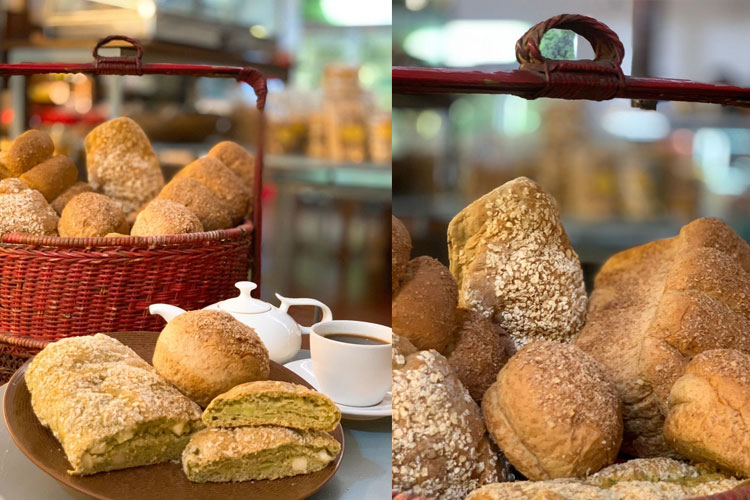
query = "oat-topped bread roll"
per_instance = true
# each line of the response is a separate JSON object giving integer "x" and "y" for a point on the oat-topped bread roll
{"x": 165, "y": 217}
{"x": 108, "y": 407}
{"x": 205, "y": 353}
{"x": 223, "y": 182}
{"x": 440, "y": 444}
{"x": 27, "y": 150}
{"x": 92, "y": 215}
{"x": 12, "y": 185}
{"x": 210, "y": 210}
{"x": 251, "y": 453}
{"x": 400, "y": 251}
{"x": 238, "y": 160}
{"x": 271, "y": 402}
{"x": 401, "y": 348}
{"x": 554, "y": 412}
{"x": 514, "y": 264}
{"x": 122, "y": 164}
{"x": 423, "y": 309}
{"x": 479, "y": 350}
{"x": 26, "y": 211}
{"x": 51, "y": 177}
{"x": 79, "y": 187}
{"x": 709, "y": 410}
{"x": 654, "y": 307}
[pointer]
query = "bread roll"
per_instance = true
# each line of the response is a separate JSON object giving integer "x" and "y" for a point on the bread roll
{"x": 223, "y": 182}
{"x": 514, "y": 264}
{"x": 440, "y": 444}
{"x": 121, "y": 163}
{"x": 479, "y": 350}
{"x": 401, "y": 348}
{"x": 12, "y": 185}
{"x": 200, "y": 200}
{"x": 26, "y": 212}
{"x": 554, "y": 412}
{"x": 237, "y": 159}
{"x": 27, "y": 150}
{"x": 52, "y": 177}
{"x": 400, "y": 252}
{"x": 79, "y": 187}
{"x": 162, "y": 217}
{"x": 654, "y": 307}
{"x": 206, "y": 353}
{"x": 91, "y": 215}
{"x": 424, "y": 308}
{"x": 709, "y": 410}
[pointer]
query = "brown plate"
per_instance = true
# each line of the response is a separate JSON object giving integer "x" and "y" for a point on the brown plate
{"x": 154, "y": 482}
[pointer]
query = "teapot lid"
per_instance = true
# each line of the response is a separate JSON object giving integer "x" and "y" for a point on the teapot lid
{"x": 244, "y": 303}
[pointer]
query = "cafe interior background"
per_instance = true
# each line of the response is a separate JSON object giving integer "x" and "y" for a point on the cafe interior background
{"x": 622, "y": 176}
{"x": 327, "y": 179}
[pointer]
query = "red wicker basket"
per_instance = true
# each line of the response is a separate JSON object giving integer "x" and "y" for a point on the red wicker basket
{"x": 54, "y": 287}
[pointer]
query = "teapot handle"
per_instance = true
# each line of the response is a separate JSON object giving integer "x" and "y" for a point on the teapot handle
{"x": 286, "y": 303}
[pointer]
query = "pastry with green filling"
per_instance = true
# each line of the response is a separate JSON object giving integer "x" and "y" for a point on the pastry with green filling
{"x": 270, "y": 402}
{"x": 248, "y": 453}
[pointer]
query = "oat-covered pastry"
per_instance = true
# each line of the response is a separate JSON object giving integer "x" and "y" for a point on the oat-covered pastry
{"x": 220, "y": 179}
{"x": 514, "y": 264}
{"x": 122, "y": 164}
{"x": 238, "y": 160}
{"x": 400, "y": 251}
{"x": 79, "y": 187}
{"x": 210, "y": 210}
{"x": 91, "y": 215}
{"x": 51, "y": 177}
{"x": 12, "y": 185}
{"x": 26, "y": 212}
{"x": 27, "y": 150}
{"x": 654, "y": 307}
{"x": 108, "y": 407}
{"x": 440, "y": 444}
{"x": 248, "y": 453}
{"x": 553, "y": 412}
{"x": 161, "y": 217}
{"x": 423, "y": 309}
{"x": 271, "y": 402}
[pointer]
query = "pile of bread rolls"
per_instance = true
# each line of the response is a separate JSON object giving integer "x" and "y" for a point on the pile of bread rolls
{"x": 125, "y": 194}
{"x": 505, "y": 353}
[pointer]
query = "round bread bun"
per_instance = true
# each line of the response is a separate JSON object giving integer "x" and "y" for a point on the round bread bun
{"x": 223, "y": 182}
{"x": 79, "y": 187}
{"x": 200, "y": 200}
{"x": 424, "y": 307}
{"x": 237, "y": 159}
{"x": 27, "y": 212}
{"x": 400, "y": 251}
{"x": 709, "y": 410}
{"x": 52, "y": 177}
{"x": 91, "y": 215}
{"x": 28, "y": 149}
{"x": 478, "y": 352}
{"x": 12, "y": 185}
{"x": 401, "y": 348}
{"x": 205, "y": 353}
{"x": 165, "y": 217}
{"x": 554, "y": 412}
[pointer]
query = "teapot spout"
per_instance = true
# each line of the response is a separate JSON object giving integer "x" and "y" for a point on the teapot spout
{"x": 166, "y": 311}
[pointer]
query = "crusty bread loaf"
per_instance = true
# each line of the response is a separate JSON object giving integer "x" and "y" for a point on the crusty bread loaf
{"x": 51, "y": 177}
{"x": 400, "y": 252}
{"x": 709, "y": 410}
{"x": 514, "y": 264}
{"x": 90, "y": 215}
{"x": 27, "y": 150}
{"x": 237, "y": 159}
{"x": 554, "y": 412}
{"x": 655, "y": 306}
{"x": 212, "y": 173}
{"x": 162, "y": 217}
{"x": 424, "y": 307}
{"x": 79, "y": 187}
{"x": 200, "y": 200}
{"x": 440, "y": 444}
{"x": 26, "y": 211}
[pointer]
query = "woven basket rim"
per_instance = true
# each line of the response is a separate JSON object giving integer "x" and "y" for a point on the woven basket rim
{"x": 235, "y": 233}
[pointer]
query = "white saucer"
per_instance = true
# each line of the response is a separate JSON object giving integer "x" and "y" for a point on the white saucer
{"x": 303, "y": 368}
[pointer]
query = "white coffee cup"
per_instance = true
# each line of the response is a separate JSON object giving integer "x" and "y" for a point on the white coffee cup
{"x": 351, "y": 374}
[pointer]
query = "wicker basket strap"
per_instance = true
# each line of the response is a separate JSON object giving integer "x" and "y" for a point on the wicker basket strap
{"x": 22, "y": 341}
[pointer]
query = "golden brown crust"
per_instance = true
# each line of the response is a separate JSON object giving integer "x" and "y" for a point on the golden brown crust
{"x": 553, "y": 412}
{"x": 90, "y": 215}
{"x": 220, "y": 179}
{"x": 200, "y": 200}
{"x": 28, "y": 149}
{"x": 400, "y": 252}
{"x": 238, "y": 160}
{"x": 12, "y": 185}
{"x": 79, "y": 187}
{"x": 26, "y": 212}
{"x": 162, "y": 217}
{"x": 51, "y": 177}
{"x": 424, "y": 307}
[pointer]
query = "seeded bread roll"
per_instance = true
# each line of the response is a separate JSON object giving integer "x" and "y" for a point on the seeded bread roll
{"x": 223, "y": 182}
{"x": 200, "y": 200}
{"x": 205, "y": 353}
{"x": 440, "y": 444}
{"x": 26, "y": 212}
{"x": 401, "y": 348}
{"x": 709, "y": 410}
{"x": 79, "y": 187}
{"x": 554, "y": 413}
{"x": 52, "y": 177}
{"x": 27, "y": 150}
{"x": 12, "y": 185}
{"x": 514, "y": 264}
{"x": 424, "y": 307}
{"x": 479, "y": 350}
{"x": 162, "y": 217}
{"x": 400, "y": 252}
{"x": 121, "y": 163}
{"x": 91, "y": 215}
{"x": 238, "y": 160}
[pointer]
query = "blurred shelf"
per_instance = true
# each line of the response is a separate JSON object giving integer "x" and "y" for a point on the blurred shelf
{"x": 301, "y": 169}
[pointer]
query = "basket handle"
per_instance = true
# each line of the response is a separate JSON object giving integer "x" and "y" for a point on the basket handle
{"x": 130, "y": 65}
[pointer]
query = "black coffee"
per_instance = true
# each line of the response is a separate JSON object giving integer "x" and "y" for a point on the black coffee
{"x": 351, "y": 338}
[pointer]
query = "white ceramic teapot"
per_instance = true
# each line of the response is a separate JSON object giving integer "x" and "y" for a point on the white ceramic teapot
{"x": 278, "y": 331}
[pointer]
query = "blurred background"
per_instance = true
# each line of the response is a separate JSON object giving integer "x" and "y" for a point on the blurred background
{"x": 327, "y": 182}
{"x": 621, "y": 175}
